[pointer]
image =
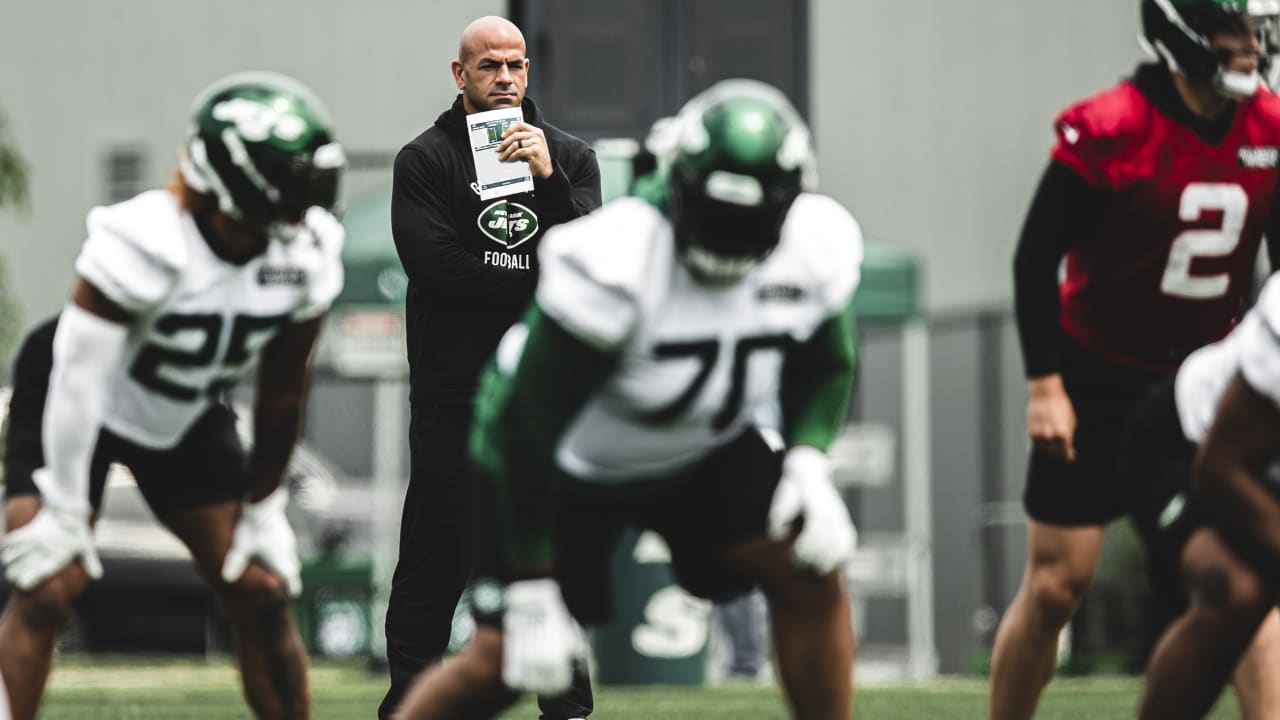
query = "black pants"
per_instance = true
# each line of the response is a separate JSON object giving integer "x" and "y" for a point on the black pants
{"x": 434, "y": 562}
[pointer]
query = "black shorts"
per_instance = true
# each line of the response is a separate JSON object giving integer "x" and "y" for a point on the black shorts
{"x": 208, "y": 465}
{"x": 1157, "y": 459}
{"x": 1090, "y": 490}
{"x": 722, "y": 501}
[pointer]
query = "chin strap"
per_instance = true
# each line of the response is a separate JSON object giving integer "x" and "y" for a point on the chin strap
{"x": 1237, "y": 85}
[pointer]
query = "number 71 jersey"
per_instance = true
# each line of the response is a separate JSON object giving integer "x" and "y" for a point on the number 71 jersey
{"x": 1168, "y": 268}
{"x": 200, "y": 321}
{"x": 695, "y": 362}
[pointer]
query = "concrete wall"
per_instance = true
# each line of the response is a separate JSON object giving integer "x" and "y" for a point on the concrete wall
{"x": 933, "y": 119}
{"x": 80, "y": 76}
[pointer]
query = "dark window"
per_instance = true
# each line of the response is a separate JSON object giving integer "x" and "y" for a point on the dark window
{"x": 609, "y": 68}
{"x": 125, "y": 172}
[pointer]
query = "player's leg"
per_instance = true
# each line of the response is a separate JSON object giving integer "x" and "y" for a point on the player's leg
{"x": 1196, "y": 656}
{"x": 812, "y": 628}
{"x": 32, "y": 619}
{"x": 195, "y": 489}
{"x": 715, "y": 522}
{"x": 1060, "y": 563}
{"x": 1255, "y": 676}
{"x": 1158, "y": 459}
{"x": 432, "y": 568}
{"x": 268, "y": 646}
{"x": 468, "y": 686}
{"x": 1068, "y": 504}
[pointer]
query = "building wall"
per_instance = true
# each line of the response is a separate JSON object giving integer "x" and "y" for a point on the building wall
{"x": 933, "y": 120}
{"x": 78, "y": 77}
{"x": 932, "y": 127}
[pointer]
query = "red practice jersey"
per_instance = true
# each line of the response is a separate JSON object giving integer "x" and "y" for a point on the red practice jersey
{"x": 1169, "y": 266}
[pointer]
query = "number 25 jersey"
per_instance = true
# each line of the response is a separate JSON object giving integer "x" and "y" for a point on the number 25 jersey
{"x": 695, "y": 362}
{"x": 200, "y": 321}
{"x": 1169, "y": 265}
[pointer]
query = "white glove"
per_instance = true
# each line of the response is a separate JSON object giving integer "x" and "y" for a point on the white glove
{"x": 42, "y": 547}
{"x": 828, "y": 537}
{"x": 264, "y": 534}
{"x": 540, "y": 638}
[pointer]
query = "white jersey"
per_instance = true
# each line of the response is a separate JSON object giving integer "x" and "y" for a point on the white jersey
{"x": 201, "y": 321}
{"x": 1252, "y": 349}
{"x": 696, "y": 362}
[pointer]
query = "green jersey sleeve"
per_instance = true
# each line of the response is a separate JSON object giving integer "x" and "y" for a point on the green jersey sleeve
{"x": 817, "y": 381}
{"x": 537, "y": 383}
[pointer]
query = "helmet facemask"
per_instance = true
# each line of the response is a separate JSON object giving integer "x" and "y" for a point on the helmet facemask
{"x": 722, "y": 235}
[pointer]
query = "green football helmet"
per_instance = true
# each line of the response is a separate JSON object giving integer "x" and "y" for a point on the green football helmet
{"x": 740, "y": 155}
{"x": 262, "y": 143}
{"x": 1179, "y": 33}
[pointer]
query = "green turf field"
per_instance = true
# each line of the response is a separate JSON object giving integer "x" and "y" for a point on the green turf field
{"x": 175, "y": 690}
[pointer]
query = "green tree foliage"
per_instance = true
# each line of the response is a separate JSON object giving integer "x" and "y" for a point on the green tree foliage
{"x": 13, "y": 170}
{"x": 14, "y": 176}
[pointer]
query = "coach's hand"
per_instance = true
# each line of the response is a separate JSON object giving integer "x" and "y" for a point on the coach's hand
{"x": 526, "y": 142}
{"x": 1051, "y": 418}
{"x": 540, "y": 638}
{"x": 264, "y": 534}
{"x": 828, "y": 537}
{"x": 54, "y": 537}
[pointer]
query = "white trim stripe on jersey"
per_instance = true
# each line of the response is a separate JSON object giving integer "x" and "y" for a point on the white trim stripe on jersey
{"x": 4, "y": 701}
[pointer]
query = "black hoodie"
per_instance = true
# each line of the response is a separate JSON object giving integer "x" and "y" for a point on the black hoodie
{"x": 472, "y": 263}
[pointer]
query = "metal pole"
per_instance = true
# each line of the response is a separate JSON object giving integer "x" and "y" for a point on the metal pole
{"x": 390, "y": 429}
{"x": 923, "y": 651}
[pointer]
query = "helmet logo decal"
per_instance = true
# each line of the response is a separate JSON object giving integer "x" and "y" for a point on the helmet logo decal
{"x": 256, "y": 122}
{"x": 507, "y": 223}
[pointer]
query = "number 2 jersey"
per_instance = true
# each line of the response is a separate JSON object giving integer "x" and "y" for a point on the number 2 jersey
{"x": 1169, "y": 265}
{"x": 693, "y": 363}
{"x": 201, "y": 321}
